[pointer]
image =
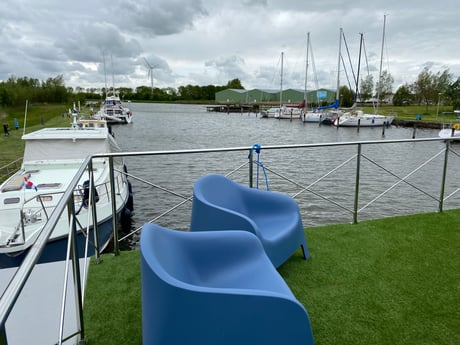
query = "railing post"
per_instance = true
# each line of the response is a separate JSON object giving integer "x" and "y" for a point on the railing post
{"x": 3, "y": 339}
{"x": 251, "y": 168}
{"x": 444, "y": 174}
{"x": 93, "y": 210}
{"x": 76, "y": 275}
{"x": 116, "y": 246}
{"x": 358, "y": 167}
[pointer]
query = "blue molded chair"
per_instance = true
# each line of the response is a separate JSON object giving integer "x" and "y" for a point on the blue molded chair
{"x": 215, "y": 287}
{"x": 221, "y": 204}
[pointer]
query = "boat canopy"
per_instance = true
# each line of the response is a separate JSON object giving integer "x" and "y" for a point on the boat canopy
{"x": 67, "y": 147}
{"x": 334, "y": 105}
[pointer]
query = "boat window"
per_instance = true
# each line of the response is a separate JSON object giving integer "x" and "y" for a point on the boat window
{"x": 9, "y": 201}
{"x": 48, "y": 185}
{"x": 44, "y": 198}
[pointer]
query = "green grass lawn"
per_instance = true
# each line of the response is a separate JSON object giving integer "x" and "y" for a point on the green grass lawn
{"x": 388, "y": 281}
{"x": 38, "y": 116}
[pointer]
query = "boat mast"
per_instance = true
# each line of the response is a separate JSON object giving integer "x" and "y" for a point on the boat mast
{"x": 105, "y": 75}
{"x": 359, "y": 67}
{"x": 338, "y": 68}
{"x": 306, "y": 73}
{"x": 281, "y": 82}
{"x": 381, "y": 61}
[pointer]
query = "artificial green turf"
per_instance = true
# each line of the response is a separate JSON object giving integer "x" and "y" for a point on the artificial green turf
{"x": 388, "y": 281}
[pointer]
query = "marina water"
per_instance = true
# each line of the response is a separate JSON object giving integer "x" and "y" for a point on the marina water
{"x": 159, "y": 127}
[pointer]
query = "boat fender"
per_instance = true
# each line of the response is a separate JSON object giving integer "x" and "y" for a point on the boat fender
{"x": 126, "y": 221}
{"x": 130, "y": 202}
{"x": 86, "y": 194}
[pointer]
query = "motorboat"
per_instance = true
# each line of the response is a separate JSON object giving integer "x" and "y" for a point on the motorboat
{"x": 360, "y": 119}
{"x": 114, "y": 111}
{"x": 52, "y": 157}
{"x": 451, "y": 132}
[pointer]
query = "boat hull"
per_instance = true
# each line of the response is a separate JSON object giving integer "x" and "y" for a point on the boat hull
{"x": 364, "y": 121}
{"x": 56, "y": 249}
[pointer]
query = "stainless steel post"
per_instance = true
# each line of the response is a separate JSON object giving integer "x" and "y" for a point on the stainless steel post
{"x": 251, "y": 168}
{"x": 444, "y": 173}
{"x": 358, "y": 167}
{"x": 116, "y": 246}
{"x": 93, "y": 210}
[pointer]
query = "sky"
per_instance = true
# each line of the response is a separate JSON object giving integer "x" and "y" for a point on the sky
{"x": 94, "y": 43}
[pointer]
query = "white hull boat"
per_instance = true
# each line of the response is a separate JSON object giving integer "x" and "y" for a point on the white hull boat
{"x": 52, "y": 156}
{"x": 449, "y": 133}
{"x": 360, "y": 119}
{"x": 113, "y": 111}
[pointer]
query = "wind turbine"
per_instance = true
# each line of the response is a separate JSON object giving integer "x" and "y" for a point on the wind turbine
{"x": 150, "y": 72}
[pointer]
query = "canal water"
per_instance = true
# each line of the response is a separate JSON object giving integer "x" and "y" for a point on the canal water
{"x": 328, "y": 173}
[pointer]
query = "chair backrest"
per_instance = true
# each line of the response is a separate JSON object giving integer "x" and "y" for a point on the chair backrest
{"x": 220, "y": 191}
{"x": 166, "y": 249}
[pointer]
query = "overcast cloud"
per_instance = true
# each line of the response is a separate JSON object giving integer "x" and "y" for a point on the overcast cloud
{"x": 202, "y": 42}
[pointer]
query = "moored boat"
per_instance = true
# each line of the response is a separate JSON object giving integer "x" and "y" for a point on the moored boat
{"x": 114, "y": 111}
{"x": 52, "y": 157}
{"x": 360, "y": 119}
{"x": 452, "y": 132}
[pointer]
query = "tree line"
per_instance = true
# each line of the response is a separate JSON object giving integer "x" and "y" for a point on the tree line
{"x": 429, "y": 88}
{"x": 15, "y": 92}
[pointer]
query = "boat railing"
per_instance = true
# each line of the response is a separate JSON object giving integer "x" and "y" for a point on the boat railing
{"x": 8, "y": 169}
{"x": 250, "y": 169}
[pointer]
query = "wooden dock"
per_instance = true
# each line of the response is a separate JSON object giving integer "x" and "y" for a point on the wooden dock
{"x": 234, "y": 108}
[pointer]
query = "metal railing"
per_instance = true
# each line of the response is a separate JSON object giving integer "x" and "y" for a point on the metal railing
{"x": 13, "y": 290}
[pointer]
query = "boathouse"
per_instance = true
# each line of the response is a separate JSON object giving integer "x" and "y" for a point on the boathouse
{"x": 289, "y": 96}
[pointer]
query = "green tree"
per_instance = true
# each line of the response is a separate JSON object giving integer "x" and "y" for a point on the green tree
{"x": 366, "y": 88}
{"x": 234, "y": 84}
{"x": 384, "y": 86}
{"x": 403, "y": 95}
{"x": 346, "y": 97}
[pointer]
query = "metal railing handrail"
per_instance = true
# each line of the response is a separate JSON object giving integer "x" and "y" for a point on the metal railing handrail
{"x": 23, "y": 272}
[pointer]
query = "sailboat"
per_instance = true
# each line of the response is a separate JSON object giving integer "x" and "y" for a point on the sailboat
{"x": 318, "y": 114}
{"x": 283, "y": 111}
{"x": 357, "y": 118}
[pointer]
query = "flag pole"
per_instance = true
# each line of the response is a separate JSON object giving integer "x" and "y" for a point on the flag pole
{"x": 25, "y": 117}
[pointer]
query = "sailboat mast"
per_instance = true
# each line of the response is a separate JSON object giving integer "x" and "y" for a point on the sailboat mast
{"x": 338, "y": 68}
{"x": 306, "y": 72}
{"x": 105, "y": 74}
{"x": 359, "y": 67}
{"x": 113, "y": 76}
{"x": 281, "y": 82}
{"x": 379, "y": 88}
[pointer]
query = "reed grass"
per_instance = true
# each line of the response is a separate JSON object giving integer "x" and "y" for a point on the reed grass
{"x": 388, "y": 281}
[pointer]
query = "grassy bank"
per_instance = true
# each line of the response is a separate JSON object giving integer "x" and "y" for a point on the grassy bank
{"x": 388, "y": 281}
{"x": 38, "y": 116}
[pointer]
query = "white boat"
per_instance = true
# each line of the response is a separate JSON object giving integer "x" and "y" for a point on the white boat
{"x": 452, "y": 132}
{"x": 283, "y": 111}
{"x": 114, "y": 111}
{"x": 358, "y": 118}
{"x": 52, "y": 157}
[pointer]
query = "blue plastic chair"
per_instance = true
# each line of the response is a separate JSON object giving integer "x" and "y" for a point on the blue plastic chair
{"x": 221, "y": 204}
{"x": 215, "y": 287}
